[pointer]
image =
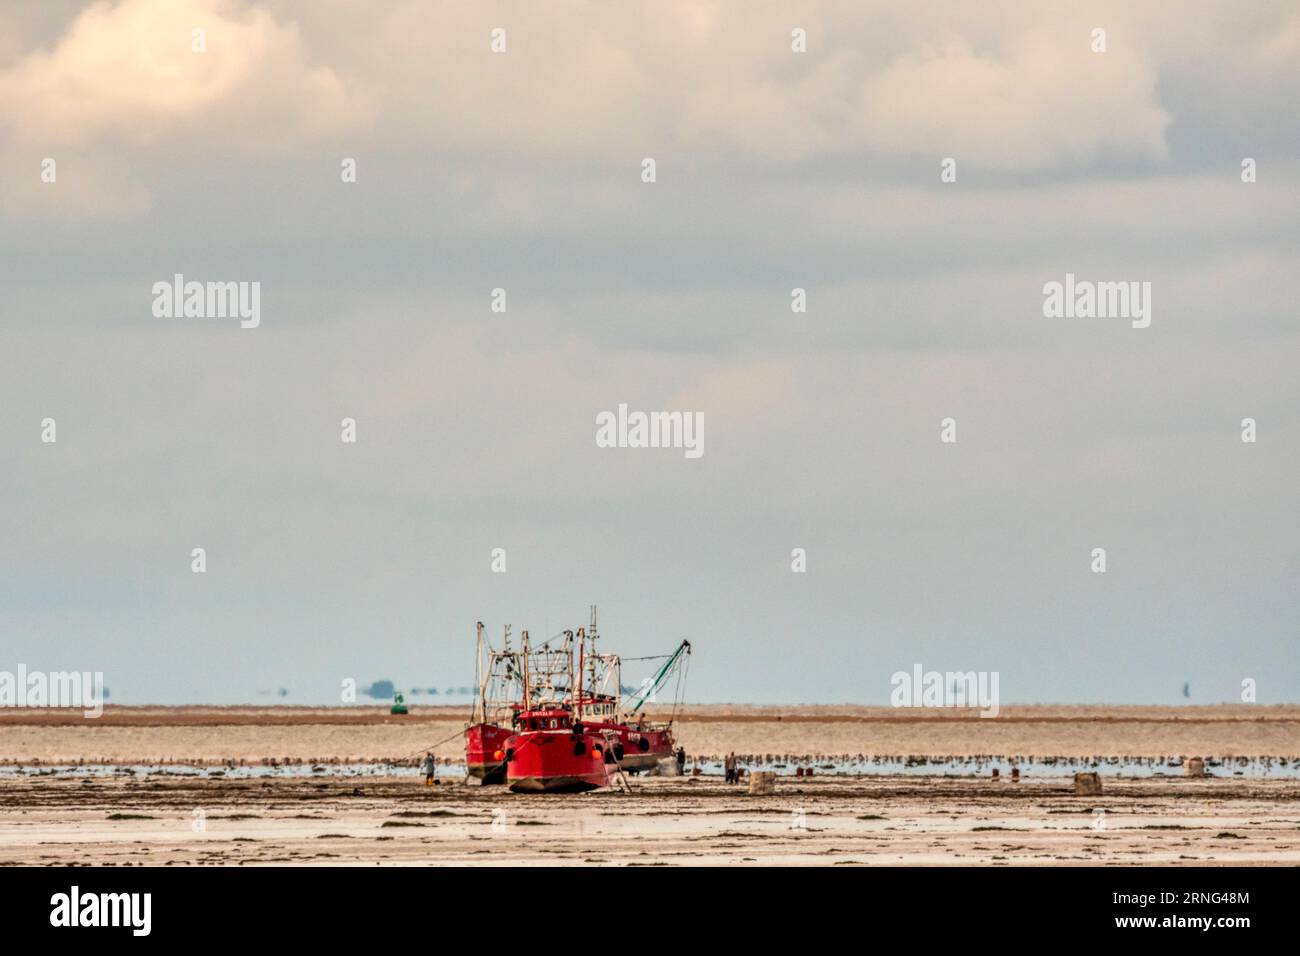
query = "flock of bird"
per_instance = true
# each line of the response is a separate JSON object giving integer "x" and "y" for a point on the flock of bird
{"x": 804, "y": 764}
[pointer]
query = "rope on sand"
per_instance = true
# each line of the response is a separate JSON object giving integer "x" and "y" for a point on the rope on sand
{"x": 445, "y": 740}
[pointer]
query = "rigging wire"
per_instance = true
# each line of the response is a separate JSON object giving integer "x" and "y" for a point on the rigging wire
{"x": 678, "y": 692}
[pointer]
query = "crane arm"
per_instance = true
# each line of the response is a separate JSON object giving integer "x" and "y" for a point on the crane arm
{"x": 658, "y": 680}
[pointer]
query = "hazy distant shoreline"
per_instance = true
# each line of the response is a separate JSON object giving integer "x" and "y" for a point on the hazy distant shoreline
{"x": 187, "y": 714}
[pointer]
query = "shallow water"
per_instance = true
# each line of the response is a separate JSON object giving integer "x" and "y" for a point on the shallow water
{"x": 1259, "y": 768}
{"x": 1253, "y": 767}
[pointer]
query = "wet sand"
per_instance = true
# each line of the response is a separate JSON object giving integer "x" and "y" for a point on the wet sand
{"x": 159, "y": 819}
{"x": 140, "y": 804}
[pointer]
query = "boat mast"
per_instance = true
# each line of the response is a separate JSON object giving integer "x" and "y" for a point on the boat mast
{"x": 582, "y": 650}
{"x": 594, "y": 635}
{"x": 481, "y": 702}
{"x": 567, "y": 664}
{"x": 527, "y": 705}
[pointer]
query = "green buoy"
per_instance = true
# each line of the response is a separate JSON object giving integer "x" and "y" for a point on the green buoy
{"x": 399, "y": 705}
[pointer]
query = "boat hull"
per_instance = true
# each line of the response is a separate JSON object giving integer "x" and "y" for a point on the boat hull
{"x": 641, "y": 748}
{"x": 561, "y": 784}
{"x": 483, "y": 742}
{"x": 556, "y": 762}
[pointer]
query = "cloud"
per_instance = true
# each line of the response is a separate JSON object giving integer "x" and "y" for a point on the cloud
{"x": 777, "y": 170}
{"x": 1048, "y": 102}
{"x": 117, "y": 96}
{"x": 586, "y": 82}
{"x": 127, "y": 73}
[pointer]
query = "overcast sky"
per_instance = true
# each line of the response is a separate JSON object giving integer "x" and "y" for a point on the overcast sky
{"x": 522, "y": 170}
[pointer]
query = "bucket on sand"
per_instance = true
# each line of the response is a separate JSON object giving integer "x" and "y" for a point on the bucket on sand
{"x": 1194, "y": 767}
{"x": 762, "y": 782}
{"x": 1087, "y": 784}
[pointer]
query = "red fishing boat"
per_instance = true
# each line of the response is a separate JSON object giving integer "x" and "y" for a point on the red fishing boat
{"x": 499, "y": 700}
{"x": 639, "y": 744}
{"x": 552, "y": 752}
{"x": 485, "y": 751}
{"x": 538, "y": 727}
{"x": 637, "y": 747}
{"x": 555, "y": 754}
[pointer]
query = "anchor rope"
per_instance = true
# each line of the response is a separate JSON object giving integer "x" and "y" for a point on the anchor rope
{"x": 432, "y": 746}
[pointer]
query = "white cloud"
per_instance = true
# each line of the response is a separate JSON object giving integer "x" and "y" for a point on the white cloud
{"x": 127, "y": 73}
{"x": 587, "y": 81}
{"x": 1048, "y": 102}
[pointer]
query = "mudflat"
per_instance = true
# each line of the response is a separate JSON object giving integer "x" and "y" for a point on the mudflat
{"x": 162, "y": 819}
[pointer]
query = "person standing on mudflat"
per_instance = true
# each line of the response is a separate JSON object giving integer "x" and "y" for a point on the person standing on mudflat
{"x": 428, "y": 769}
